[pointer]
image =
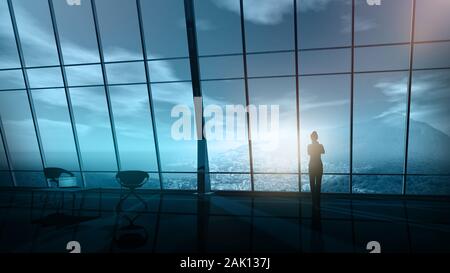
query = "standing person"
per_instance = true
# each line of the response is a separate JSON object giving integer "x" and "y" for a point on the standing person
{"x": 315, "y": 150}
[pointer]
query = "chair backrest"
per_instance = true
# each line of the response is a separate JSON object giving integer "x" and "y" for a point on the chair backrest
{"x": 55, "y": 173}
{"x": 132, "y": 179}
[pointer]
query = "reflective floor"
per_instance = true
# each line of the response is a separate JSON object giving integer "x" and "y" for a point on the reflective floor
{"x": 46, "y": 222}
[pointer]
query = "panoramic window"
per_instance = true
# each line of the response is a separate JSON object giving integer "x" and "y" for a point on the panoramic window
{"x": 134, "y": 108}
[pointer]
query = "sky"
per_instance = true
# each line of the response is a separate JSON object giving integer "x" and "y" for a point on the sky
{"x": 380, "y": 98}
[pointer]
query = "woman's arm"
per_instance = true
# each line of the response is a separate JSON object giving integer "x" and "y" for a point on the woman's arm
{"x": 323, "y": 149}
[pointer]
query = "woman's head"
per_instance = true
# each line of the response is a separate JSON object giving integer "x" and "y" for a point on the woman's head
{"x": 314, "y": 136}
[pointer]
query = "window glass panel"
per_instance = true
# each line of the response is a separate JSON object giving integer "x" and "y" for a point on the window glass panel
{"x": 45, "y": 77}
{"x": 230, "y": 182}
{"x": 55, "y": 129}
{"x": 101, "y": 180}
{"x": 227, "y": 145}
{"x": 153, "y": 182}
{"x": 178, "y": 152}
{"x": 19, "y": 131}
{"x": 126, "y": 73}
{"x": 170, "y": 40}
{"x": 378, "y": 184}
{"x": 133, "y": 124}
{"x": 269, "y": 24}
{"x": 333, "y": 18}
{"x": 274, "y": 149}
{"x": 435, "y": 55}
{"x": 3, "y": 160}
{"x": 389, "y": 22}
{"x": 218, "y": 26}
{"x": 119, "y": 29}
{"x": 428, "y": 185}
{"x": 325, "y": 61}
{"x": 169, "y": 70}
{"x": 330, "y": 183}
{"x": 36, "y": 32}
{"x": 84, "y": 75}
{"x": 325, "y": 108}
{"x": 432, "y": 20}
{"x": 382, "y": 58}
{"x": 30, "y": 179}
{"x": 77, "y": 32}
{"x": 9, "y": 58}
{"x": 276, "y": 182}
{"x": 429, "y": 137}
{"x": 222, "y": 67}
{"x": 281, "y": 64}
{"x": 93, "y": 128}
{"x": 11, "y": 79}
{"x": 379, "y": 122}
{"x": 180, "y": 181}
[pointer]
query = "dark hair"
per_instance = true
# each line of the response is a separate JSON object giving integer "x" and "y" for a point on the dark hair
{"x": 314, "y": 136}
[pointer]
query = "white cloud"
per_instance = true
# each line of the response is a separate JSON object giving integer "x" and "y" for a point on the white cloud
{"x": 361, "y": 24}
{"x": 429, "y": 103}
{"x": 308, "y": 105}
{"x": 270, "y": 12}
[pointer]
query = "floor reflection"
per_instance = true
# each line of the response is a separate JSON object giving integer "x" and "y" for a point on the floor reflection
{"x": 221, "y": 224}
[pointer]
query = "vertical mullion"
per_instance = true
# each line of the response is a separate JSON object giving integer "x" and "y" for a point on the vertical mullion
{"x": 408, "y": 106}
{"x": 352, "y": 79}
{"x": 7, "y": 154}
{"x": 105, "y": 80}
{"x": 27, "y": 83}
{"x": 66, "y": 90}
{"x": 247, "y": 98}
{"x": 203, "y": 182}
{"x": 297, "y": 99}
{"x": 149, "y": 89}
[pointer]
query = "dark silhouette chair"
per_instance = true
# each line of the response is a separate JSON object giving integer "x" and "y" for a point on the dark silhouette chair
{"x": 54, "y": 175}
{"x": 131, "y": 180}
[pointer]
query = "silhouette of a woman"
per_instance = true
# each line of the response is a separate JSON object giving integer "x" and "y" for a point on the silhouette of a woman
{"x": 315, "y": 150}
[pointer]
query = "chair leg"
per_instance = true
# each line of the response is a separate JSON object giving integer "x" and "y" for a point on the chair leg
{"x": 122, "y": 199}
{"x": 126, "y": 196}
{"x": 140, "y": 199}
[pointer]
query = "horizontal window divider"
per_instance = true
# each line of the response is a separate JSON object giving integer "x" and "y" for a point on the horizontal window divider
{"x": 222, "y": 79}
{"x": 162, "y": 82}
{"x": 221, "y": 55}
{"x": 12, "y": 90}
{"x": 167, "y": 59}
{"x": 257, "y": 173}
{"x": 237, "y": 54}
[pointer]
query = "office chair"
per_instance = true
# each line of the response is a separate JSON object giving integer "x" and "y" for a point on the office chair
{"x": 54, "y": 175}
{"x": 131, "y": 180}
